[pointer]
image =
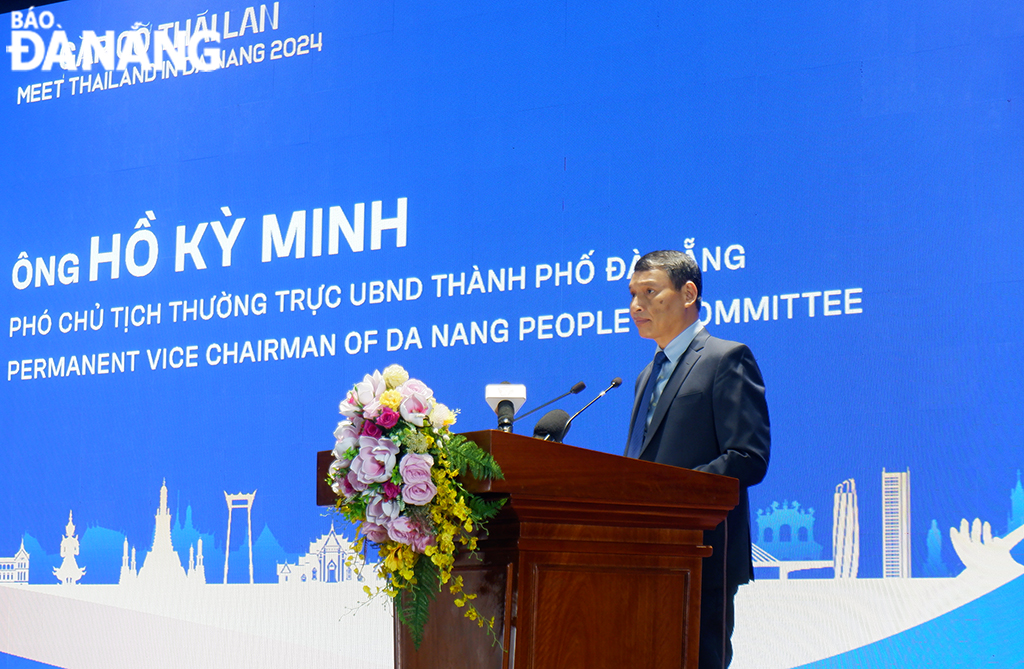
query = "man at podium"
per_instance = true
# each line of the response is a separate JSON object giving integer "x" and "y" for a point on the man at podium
{"x": 699, "y": 404}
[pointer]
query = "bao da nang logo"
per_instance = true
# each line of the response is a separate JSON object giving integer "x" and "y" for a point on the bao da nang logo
{"x": 39, "y": 42}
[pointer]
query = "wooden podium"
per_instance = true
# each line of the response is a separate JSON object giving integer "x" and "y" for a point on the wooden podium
{"x": 594, "y": 562}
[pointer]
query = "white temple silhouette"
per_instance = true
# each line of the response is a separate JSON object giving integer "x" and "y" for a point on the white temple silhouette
{"x": 162, "y": 563}
{"x": 128, "y": 570}
{"x": 69, "y": 573}
{"x": 326, "y": 562}
{"x": 196, "y": 568}
{"x": 15, "y": 569}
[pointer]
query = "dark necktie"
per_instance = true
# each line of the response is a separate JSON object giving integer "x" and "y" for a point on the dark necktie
{"x": 636, "y": 437}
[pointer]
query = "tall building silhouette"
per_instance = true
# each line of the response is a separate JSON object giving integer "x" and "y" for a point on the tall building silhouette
{"x": 896, "y": 524}
{"x": 846, "y": 531}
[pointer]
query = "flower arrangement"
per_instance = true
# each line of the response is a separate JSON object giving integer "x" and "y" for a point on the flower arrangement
{"x": 396, "y": 472}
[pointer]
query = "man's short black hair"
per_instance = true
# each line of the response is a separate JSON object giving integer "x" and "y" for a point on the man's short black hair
{"x": 679, "y": 266}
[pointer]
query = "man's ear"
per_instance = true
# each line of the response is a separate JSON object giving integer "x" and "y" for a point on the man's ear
{"x": 690, "y": 294}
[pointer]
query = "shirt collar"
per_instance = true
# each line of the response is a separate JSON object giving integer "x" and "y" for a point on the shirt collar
{"x": 678, "y": 346}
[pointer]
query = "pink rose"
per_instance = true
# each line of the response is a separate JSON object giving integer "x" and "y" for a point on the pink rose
{"x": 374, "y": 532}
{"x": 419, "y": 494}
{"x": 402, "y": 530}
{"x": 422, "y": 540}
{"x": 405, "y": 531}
{"x": 415, "y": 467}
{"x": 415, "y": 387}
{"x": 388, "y": 418}
{"x": 371, "y": 429}
{"x": 391, "y": 490}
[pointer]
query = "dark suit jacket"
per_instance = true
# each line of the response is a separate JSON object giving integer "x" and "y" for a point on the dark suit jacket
{"x": 712, "y": 417}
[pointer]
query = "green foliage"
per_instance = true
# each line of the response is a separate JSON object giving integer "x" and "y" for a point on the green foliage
{"x": 413, "y": 606}
{"x": 465, "y": 455}
{"x": 484, "y": 509}
{"x": 354, "y": 510}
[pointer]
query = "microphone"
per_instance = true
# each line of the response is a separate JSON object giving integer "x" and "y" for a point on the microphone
{"x": 616, "y": 382}
{"x": 552, "y": 426}
{"x": 505, "y": 398}
{"x": 578, "y": 388}
{"x": 505, "y": 412}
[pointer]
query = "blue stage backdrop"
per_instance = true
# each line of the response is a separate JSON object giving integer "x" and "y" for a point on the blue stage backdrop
{"x": 217, "y": 218}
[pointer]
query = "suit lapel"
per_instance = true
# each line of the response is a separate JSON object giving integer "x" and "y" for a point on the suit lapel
{"x": 675, "y": 382}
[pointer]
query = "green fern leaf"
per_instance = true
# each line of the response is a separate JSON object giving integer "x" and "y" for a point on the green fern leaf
{"x": 414, "y": 607}
{"x": 467, "y": 456}
{"x": 483, "y": 509}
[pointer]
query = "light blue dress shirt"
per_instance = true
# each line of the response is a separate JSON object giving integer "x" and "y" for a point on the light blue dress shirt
{"x": 674, "y": 352}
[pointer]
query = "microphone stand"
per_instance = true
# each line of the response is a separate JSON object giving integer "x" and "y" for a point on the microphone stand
{"x": 616, "y": 382}
{"x": 578, "y": 388}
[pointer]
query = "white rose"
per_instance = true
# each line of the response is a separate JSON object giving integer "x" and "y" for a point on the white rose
{"x": 440, "y": 416}
{"x": 394, "y": 376}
